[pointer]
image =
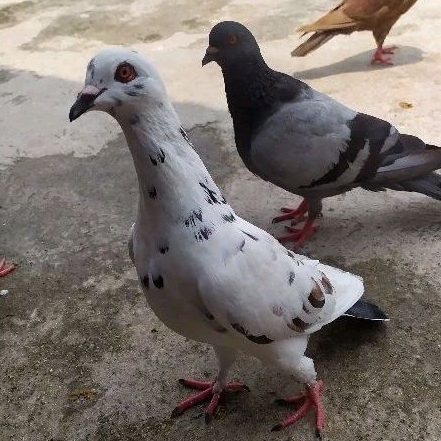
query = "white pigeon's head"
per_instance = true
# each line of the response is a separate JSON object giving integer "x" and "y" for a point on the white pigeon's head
{"x": 117, "y": 79}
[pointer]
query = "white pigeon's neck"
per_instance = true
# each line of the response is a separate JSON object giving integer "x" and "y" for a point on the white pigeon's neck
{"x": 173, "y": 181}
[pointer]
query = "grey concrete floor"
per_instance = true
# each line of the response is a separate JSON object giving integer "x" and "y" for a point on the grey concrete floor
{"x": 81, "y": 355}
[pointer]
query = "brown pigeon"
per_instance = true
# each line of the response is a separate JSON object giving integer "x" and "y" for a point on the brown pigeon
{"x": 377, "y": 16}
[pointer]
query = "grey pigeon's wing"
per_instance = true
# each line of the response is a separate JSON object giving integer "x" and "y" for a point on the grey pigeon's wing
{"x": 408, "y": 158}
{"x": 307, "y": 143}
{"x": 317, "y": 144}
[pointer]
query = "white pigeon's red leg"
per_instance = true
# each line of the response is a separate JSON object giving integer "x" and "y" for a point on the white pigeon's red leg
{"x": 299, "y": 236}
{"x": 379, "y": 55}
{"x": 310, "y": 399}
{"x": 209, "y": 391}
{"x": 294, "y": 214}
{"x": 5, "y": 269}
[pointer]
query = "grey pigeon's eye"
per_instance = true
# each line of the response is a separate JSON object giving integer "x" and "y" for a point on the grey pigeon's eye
{"x": 232, "y": 40}
{"x": 125, "y": 73}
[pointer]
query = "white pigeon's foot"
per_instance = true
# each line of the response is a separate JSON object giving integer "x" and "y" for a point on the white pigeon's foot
{"x": 379, "y": 58}
{"x": 5, "y": 269}
{"x": 311, "y": 398}
{"x": 299, "y": 236}
{"x": 208, "y": 393}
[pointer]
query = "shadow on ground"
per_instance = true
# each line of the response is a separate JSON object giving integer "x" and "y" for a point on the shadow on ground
{"x": 360, "y": 63}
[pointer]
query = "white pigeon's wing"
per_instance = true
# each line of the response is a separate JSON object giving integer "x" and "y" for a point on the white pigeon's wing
{"x": 265, "y": 292}
{"x": 315, "y": 142}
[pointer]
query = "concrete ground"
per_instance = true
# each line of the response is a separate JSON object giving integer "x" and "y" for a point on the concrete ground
{"x": 82, "y": 356}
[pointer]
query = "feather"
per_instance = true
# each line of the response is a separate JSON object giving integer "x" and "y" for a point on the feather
{"x": 377, "y": 16}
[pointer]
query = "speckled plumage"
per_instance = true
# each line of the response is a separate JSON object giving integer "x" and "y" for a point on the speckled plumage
{"x": 207, "y": 273}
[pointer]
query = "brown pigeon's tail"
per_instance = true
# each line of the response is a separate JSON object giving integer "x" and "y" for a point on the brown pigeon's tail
{"x": 313, "y": 42}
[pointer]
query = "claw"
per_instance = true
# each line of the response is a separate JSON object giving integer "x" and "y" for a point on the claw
{"x": 297, "y": 236}
{"x": 207, "y": 393}
{"x": 311, "y": 399}
{"x": 296, "y": 214}
{"x": 4, "y": 270}
{"x": 378, "y": 56}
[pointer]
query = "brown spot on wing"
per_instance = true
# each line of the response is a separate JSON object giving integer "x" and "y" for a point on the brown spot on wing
{"x": 316, "y": 297}
{"x": 327, "y": 285}
{"x": 278, "y": 310}
{"x": 297, "y": 324}
{"x": 259, "y": 339}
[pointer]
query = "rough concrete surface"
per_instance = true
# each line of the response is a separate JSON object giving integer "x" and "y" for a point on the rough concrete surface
{"x": 81, "y": 355}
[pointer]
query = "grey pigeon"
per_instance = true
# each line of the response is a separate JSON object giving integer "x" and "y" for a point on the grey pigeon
{"x": 206, "y": 273}
{"x": 307, "y": 143}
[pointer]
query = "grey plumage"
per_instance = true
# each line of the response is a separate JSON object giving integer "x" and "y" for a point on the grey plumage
{"x": 306, "y": 142}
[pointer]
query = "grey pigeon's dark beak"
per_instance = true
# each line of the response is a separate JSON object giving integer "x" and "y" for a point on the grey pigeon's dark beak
{"x": 210, "y": 55}
{"x": 84, "y": 101}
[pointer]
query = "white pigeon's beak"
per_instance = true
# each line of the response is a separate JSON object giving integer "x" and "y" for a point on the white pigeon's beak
{"x": 85, "y": 101}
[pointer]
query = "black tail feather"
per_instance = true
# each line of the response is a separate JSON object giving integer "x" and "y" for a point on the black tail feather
{"x": 429, "y": 184}
{"x": 364, "y": 310}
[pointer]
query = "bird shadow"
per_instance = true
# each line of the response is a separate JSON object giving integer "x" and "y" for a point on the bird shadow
{"x": 351, "y": 334}
{"x": 404, "y": 55}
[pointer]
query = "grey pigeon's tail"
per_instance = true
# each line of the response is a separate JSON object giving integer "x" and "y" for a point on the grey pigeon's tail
{"x": 313, "y": 42}
{"x": 409, "y": 166}
{"x": 364, "y": 310}
{"x": 429, "y": 184}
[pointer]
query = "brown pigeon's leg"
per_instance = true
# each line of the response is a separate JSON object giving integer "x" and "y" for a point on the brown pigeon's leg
{"x": 296, "y": 214}
{"x": 5, "y": 269}
{"x": 310, "y": 399}
{"x": 379, "y": 56}
{"x": 209, "y": 391}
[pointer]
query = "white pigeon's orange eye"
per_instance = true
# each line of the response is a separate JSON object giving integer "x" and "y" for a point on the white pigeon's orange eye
{"x": 125, "y": 73}
{"x": 232, "y": 40}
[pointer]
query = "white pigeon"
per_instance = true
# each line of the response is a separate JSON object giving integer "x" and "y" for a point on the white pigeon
{"x": 208, "y": 274}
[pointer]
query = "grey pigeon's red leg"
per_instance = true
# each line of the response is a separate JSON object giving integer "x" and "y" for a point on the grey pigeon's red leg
{"x": 310, "y": 399}
{"x": 4, "y": 270}
{"x": 296, "y": 214}
{"x": 378, "y": 56}
{"x": 299, "y": 236}
{"x": 208, "y": 392}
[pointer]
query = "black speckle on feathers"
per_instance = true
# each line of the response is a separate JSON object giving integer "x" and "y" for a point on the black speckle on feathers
{"x": 158, "y": 281}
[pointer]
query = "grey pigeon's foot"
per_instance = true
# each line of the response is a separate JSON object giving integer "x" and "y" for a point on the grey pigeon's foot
{"x": 295, "y": 214}
{"x": 311, "y": 398}
{"x": 208, "y": 393}
{"x": 5, "y": 269}
{"x": 299, "y": 236}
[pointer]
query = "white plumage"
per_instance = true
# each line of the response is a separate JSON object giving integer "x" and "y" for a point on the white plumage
{"x": 208, "y": 274}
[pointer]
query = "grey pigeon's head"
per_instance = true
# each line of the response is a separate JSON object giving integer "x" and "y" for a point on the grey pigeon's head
{"x": 230, "y": 44}
{"x": 117, "y": 79}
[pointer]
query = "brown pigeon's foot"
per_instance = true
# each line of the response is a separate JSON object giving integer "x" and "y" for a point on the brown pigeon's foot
{"x": 299, "y": 236}
{"x": 5, "y": 269}
{"x": 296, "y": 214}
{"x": 379, "y": 55}
{"x": 208, "y": 392}
{"x": 311, "y": 398}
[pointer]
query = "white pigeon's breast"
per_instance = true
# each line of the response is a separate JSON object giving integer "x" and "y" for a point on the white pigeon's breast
{"x": 170, "y": 283}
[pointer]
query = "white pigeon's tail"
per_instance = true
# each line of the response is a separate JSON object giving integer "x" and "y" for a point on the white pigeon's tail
{"x": 346, "y": 290}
